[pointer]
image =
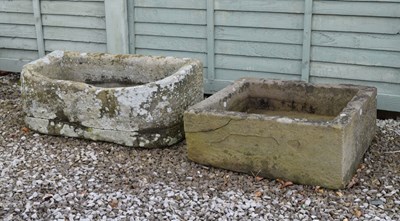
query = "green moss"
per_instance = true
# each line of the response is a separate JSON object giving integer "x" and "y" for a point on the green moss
{"x": 54, "y": 128}
{"x": 42, "y": 94}
{"x": 109, "y": 103}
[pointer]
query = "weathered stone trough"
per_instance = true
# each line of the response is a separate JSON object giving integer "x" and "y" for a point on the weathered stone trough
{"x": 306, "y": 133}
{"x": 127, "y": 99}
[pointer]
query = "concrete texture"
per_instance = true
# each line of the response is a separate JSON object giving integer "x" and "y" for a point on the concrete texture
{"x": 127, "y": 99}
{"x": 234, "y": 129}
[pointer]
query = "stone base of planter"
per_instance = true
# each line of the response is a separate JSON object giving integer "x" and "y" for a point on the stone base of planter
{"x": 150, "y": 139}
{"x": 305, "y": 133}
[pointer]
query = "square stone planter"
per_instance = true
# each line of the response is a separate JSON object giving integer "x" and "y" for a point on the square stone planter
{"x": 305, "y": 133}
{"x": 132, "y": 100}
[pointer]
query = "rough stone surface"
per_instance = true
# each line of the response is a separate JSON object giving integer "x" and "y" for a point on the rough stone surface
{"x": 234, "y": 130}
{"x": 127, "y": 99}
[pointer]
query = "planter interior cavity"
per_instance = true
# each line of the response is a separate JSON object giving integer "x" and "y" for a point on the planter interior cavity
{"x": 132, "y": 100}
{"x": 306, "y": 133}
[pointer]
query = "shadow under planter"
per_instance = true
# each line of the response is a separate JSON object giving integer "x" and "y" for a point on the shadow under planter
{"x": 307, "y": 133}
{"x": 131, "y": 100}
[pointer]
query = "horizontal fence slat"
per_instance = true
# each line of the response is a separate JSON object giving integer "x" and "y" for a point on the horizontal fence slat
{"x": 270, "y": 50}
{"x": 396, "y": 1}
{"x": 12, "y": 65}
{"x": 378, "y": 9}
{"x": 178, "y": 54}
{"x": 383, "y": 88}
{"x": 355, "y": 72}
{"x": 52, "y": 45}
{"x": 356, "y": 24}
{"x": 76, "y": 0}
{"x": 82, "y": 0}
{"x": 246, "y": 63}
{"x": 18, "y": 43}
{"x": 356, "y": 56}
{"x": 21, "y": 31}
{"x": 174, "y": 16}
{"x": 73, "y": 8}
{"x": 189, "y": 4}
{"x": 216, "y": 86}
{"x": 389, "y": 102}
{"x": 171, "y": 43}
{"x": 257, "y": 19}
{"x": 172, "y": 30}
{"x": 226, "y": 74}
{"x": 73, "y": 21}
{"x": 18, "y": 54}
{"x": 74, "y": 34}
{"x": 259, "y": 35}
{"x": 16, "y": 18}
{"x": 22, "y": 6}
{"x": 291, "y": 6}
{"x": 354, "y": 40}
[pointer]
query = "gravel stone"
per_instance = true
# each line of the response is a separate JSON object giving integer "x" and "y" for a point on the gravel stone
{"x": 56, "y": 178}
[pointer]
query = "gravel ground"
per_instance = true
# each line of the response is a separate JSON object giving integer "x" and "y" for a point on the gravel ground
{"x": 55, "y": 178}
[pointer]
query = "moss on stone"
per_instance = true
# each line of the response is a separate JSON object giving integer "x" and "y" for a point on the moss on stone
{"x": 109, "y": 103}
{"x": 54, "y": 128}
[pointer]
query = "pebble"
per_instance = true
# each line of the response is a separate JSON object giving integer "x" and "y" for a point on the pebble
{"x": 57, "y": 178}
{"x": 377, "y": 202}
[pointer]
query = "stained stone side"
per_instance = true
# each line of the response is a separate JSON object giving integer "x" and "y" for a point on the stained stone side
{"x": 323, "y": 153}
{"x": 148, "y": 115}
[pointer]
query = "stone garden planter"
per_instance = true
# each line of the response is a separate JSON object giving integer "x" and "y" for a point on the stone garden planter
{"x": 126, "y": 99}
{"x": 305, "y": 133}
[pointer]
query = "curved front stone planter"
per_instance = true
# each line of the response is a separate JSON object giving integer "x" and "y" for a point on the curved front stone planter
{"x": 126, "y": 99}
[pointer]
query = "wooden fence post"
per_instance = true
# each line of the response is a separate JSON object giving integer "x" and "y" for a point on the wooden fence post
{"x": 39, "y": 27}
{"x": 305, "y": 64}
{"x": 117, "y": 26}
{"x": 210, "y": 42}
{"x": 131, "y": 23}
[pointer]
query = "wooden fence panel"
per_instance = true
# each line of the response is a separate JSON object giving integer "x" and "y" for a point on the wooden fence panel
{"x": 74, "y": 25}
{"x": 358, "y": 42}
{"x": 17, "y": 34}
